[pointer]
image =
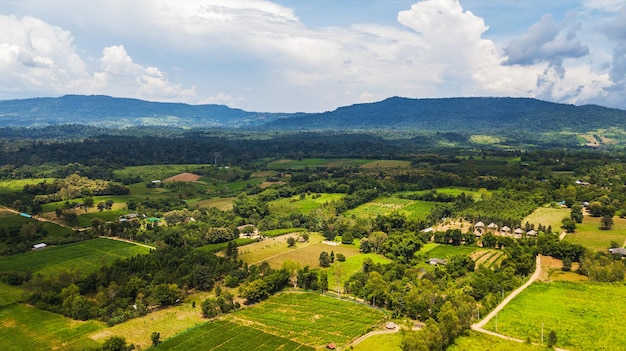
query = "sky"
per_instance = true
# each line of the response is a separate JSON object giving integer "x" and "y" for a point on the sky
{"x": 314, "y": 56}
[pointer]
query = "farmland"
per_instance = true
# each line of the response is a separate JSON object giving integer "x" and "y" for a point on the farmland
{"x": 589, "y": 234}
{"x": 225, "y": 336}
{"x": 27, "y": 328}
{"x": 306, "y": 205}
{"x": 311, "y": 319}
{"x": 548, "y": 216}
{"x": 83, "y": 257}
{"x": 580, "y": 313}
{"x": 10, "y": 294}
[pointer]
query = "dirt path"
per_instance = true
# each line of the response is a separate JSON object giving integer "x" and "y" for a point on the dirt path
{"x": 117, "y": 238}
{"x": 563, "y": 234}
{"x": 479, "y": 326}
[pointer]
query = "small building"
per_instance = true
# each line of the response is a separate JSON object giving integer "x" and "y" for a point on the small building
{"x": 479, "y": 225}
{"x": 505, "y": 230}
{"x": 39, "y": 246}
{"x": 436, "y": 262}
{"x": 391, "y": 326}
{"x": 618, "y": 251}
{"x": 492, "y": 227}
{"x": 531, "y": 232}
{"x": 331, "y": 346}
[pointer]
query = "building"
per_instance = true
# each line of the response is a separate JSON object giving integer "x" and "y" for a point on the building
{"x": 39, "y": 246}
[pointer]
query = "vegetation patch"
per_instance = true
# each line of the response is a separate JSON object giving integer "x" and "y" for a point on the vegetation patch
{"x": 27, "y": 328}
{"x": 10, "y": 294}
{"x": 84, "y": 257}
{"x": 548, "y": 216}
{"x": 480, "y": 341}
{"x": 589, "y": 234}
{"x": 353, "y": 264}
{"x": 223, "y": 335}
{"x": 381, "y": 342}
{"x": 387, "y": 164}
{"x": 303, "y": 205}
{"x": 312, "y": 319}
{"x": 583, "y": 315}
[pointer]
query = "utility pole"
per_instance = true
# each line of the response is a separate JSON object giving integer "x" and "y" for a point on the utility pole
{"x": 496, "y": 322}
{"x": 542, "y": 332}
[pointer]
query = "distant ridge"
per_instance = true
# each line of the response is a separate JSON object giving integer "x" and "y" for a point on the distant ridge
{"x": 472, "y": 115}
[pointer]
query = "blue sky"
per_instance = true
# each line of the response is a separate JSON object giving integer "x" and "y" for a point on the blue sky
{"x": 296, "y": 55}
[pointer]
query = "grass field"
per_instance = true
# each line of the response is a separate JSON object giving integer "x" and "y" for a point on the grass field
{"x": 443, "y": 251}
{"x": 287, "y": 205}
{"x": 10, "y": 294}
{"x": 227, "y": 336}
{"x": 309, "y": 254}
{"x": 479, "y": 342}
{"x": 27, "y": 328}
{"x": 589, "y": 235}
{"x": 352, "y": 265}
{"x": 381, "y": 342}
{"x": 585, "y": 316}
{"x": 224, "y": 204}
{"x": 548, "y": 216}
{"x": 278, "y": 232}
{"x": 387, "y": 164}
{"x": 273, "y": 247}
{"x": 84, "y": 257}
{"x": 153, "y": 172}
{"x": 10, "y": 186}
{"x": 315, "y": 162}
{"x": 311, "y": 319}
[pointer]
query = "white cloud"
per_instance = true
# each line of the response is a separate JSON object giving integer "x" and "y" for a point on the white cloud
{"x": 604, "y": 5}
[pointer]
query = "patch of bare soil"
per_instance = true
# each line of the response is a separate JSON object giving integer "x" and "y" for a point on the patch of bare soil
{"x": 183, "y": 177}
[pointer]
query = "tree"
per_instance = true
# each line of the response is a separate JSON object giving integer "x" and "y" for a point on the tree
{"x": 569, "y": 225}
{"x": 552, "y": 338}
{"x": 347, "y": 238}
{"x": 292, "y": 267}
{"x": 323, "y": 280}
{"x": 606, "y": 223}
{"x": 209, "y": 308}
{"x": 577, "y": 213}
{"x": 291, "y": 241}
{"x": 155, "y": 338}
{"x": 231, "y": 250}
{"x": 341, "y": 257}
{"x": 116, "y": 343}
{"x": 567, "y": 264}
{"x": 324, "y": 259}
{"x": 595, "y": 208}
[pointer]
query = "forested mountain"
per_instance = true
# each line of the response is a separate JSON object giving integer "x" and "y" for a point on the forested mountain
{"x": 469, "y": 115}
{"x": 106, "y": 111}
{"x": 502, "y": 116}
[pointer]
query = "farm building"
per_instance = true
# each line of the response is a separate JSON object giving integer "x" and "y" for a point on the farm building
{"x": 618, "y": 251}
{"x": 436, "y": 261}
{"x": 39, "y": 246}
{"x": 531, "y": 232}
{"x": 391, "y": 326}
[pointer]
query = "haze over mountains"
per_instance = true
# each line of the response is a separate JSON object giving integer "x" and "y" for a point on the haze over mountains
{"x": 471, "y": 115}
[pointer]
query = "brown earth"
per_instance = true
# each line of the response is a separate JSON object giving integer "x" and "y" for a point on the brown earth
{"x": 183, "y": 177}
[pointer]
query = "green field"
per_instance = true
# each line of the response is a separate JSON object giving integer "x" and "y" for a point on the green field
{"x": 226, "y": 336}
{"x": 480, "y": 342}
{"x": 381, "y": 342}
{"x": 27, "y": 328}
{"x": 311, "y": 319}
{"x": 10, "y": 186}
{"x": 10, "y": 294}
{"x": 589, "y": 234}
{"x": 585, "y": 316}
{"x": 84, "y": 257}
{"x": 443, "y": 251}
{"x": 548, "y": 216}
{"x": 352, "y": 265}
{"x": 287, "y": 205}
{"x": 278, "y": 232}
{"x": 153, "y": 172}
{"x": 315, "y": 162}
{"x": 453, "y": 190}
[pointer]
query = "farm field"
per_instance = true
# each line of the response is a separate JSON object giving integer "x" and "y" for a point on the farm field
{"x": 315, "y": 162}
{"x": 443, "y": 251}
{"x": 352, "y": 265}
{"x": 311, "y": 319}
{"x": 10, "y": 294}
{"x": 548, "y": 216}
{"x": 381, "y": 342}
{"x": 222, "y": 335}
{"x": 387, "y": 164}
{"x": 294, "y": 203}
{"x": 27, "y": 328}
{"x": 153, "y": 172}
{"x": 589, "y": 234}
{"x": 478, "y": 342}
{"x": 452, "y": 190}
{"x": 273, "y": 247}
{"x": 13, "y": 185}
{"x": 583, "y": 315}
{"x": 84, "y": 257}
{"x": 224, "y": 204}
{"x": 309, "y": 254}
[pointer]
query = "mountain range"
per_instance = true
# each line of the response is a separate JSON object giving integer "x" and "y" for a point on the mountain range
{"x": 464, "y": 115}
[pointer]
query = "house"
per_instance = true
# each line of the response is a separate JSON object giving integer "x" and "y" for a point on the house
{"x": 492, "y": 227}
{"x": 518, "y": 232}
{"x": 505, "y": 230}
{"x": 436, "y": 262}
{"x": 39, "y": 246}
{"x": 331, "y": 346}
{"x": 391, "y": 326}
{"x": 479, "y": 225}
{"x": 618, "y": 251}
{"x": 531, "y": 232}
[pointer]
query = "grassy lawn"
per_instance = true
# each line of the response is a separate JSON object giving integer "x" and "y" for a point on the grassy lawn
{"x": 585, "y": 316}
{"x": 222, "y": 335}
{"x": 306, "y": 205}
{"x": 589, "y": 235}
{"x": 268, "y": 248}
{"x": 548, "y": 216}
{"x": 352, "y": 265}
{"x": 310, "y": 254}
{"x": 479, "y": 342}
{"x": 381, "y": 342}
{"x": 10, "y": 294}
{"x": 84, "y": 257}
{"x": 27, "y": 328}
{"x": 278, "y": 232}
{"x": 311, "y": 319}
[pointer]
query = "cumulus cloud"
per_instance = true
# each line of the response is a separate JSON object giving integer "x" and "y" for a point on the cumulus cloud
{"x": 545, "y": 42}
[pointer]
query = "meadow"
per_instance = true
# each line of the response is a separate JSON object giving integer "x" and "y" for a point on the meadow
{"x": 315, "y": 162}
{"x": 412, "y": 209}
{"x": 350, "y": 266}
{"x": 548, "y": 216}
{"x": 24, "y": 327}
{"x": 83, "y": 257}
{"x": 311, "y": 319}
{"x": 589, "y": 234}
{"x": 154, "y": 172}
{"x": 478, "y": 342}
{"x": 222, "y": 335}
{"x": 584, "y": 315}
{"x": 306, "y": 205}
{"x": 10, "y": 294}
{"x": 380, "y": 342}
{"x": 13, "y": 185}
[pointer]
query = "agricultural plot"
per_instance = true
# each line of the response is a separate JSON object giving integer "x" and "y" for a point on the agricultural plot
{"x": 548, "y": 216}
{"x": 13, "y": 185}
{"x": 154, "y": 172}
{"x": 443, "y": 251}
{"x": 84, "y": 257}
{"x": 226, "y": 336}
{"x": 306, "y": 205}
{"x": 381, "y": 342}
{"x": 10, "y": 294}
{"x": 10, "y": 220}
{"x": 453, "y": 191}
{"x": 387, "y": 164}
{"x": 412, "y": 209}
{"x": 478, "y": 342}
{"x": 315, "y": 162}
{"x": 27, "y": 328}
{"x": 583, "y": 315}
{"x": 352, "y": 265}
{"x": 224, "y": 204}
{"x": 589, "y": 234}
{"x": 488, "y": 258}
{"x": 309, "y": 254}
{"x": 312, "y": 319}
